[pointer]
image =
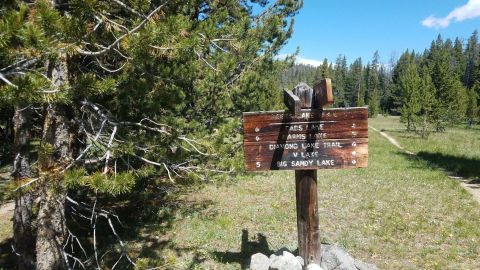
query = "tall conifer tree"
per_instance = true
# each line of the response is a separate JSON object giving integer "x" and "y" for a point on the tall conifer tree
{"x": 409, "y": 83}
{"x": 121, "y": 85}
{"x": 354, "y": 83}
{"x": 339, "y": 81}
{"x": 472, "y": 60}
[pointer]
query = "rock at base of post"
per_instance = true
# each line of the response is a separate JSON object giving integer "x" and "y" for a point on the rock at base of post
{"x": 333, "y": 257}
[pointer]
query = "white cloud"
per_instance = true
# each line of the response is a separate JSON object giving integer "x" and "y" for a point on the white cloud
{"x": 468, "y": 11}
{"x": 301, "y": 60}
{"x": 305, "y": 61}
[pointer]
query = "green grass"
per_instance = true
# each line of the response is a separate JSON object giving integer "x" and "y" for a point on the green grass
{"x": 457, "y": 149}
{"x": 5, "y": 180}
{"x": 6, "y": 230}
{"x": 399, "y": 213}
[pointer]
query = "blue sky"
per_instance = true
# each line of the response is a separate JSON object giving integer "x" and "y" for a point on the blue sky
{"x": 355, "y": 28}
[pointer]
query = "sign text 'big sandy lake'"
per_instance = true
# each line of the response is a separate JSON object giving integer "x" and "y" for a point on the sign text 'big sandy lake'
{"x": 313, "y": 139}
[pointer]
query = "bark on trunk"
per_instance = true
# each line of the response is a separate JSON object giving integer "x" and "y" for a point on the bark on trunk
{"x": 52, "y": 230}
{"x": 23, "y": 229}
{"x": 56, "y": 152}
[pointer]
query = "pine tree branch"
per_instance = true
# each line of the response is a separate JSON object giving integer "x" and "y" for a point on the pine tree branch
{"x": 2, "y": 77}
{"x": 20, "y": 65}
{"x": 119, "y": 39}
{"x": 131, "y": 10}
{"x": 95, "y": 213}
{"x": 68, "y": 255}
{"x": 204, "y": 60}
{"x": 33, "y": 180}
{"x": 215, "y": 40}
{"x": 109, "y": 70}
{"x": 105, "y": 140}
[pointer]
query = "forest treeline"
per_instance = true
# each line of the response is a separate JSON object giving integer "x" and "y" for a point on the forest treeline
{"x": 430, "y": 90}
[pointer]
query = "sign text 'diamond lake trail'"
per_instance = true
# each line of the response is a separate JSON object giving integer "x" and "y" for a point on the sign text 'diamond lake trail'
{"x": 313, "y": 139}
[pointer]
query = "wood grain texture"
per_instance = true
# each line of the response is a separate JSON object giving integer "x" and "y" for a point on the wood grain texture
{"x": 304, "y": 126}
{"x": 314, "y": 139}
{"x": 308, "y": 226}
{"x": 323, "y": 93}
{"x": 300, "y": 155}
{"x": 331, "y": 114}
{"x": 292, "y": 102}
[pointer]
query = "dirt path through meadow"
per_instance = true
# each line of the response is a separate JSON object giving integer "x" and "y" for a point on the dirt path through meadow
{"x": 472, "y": 188}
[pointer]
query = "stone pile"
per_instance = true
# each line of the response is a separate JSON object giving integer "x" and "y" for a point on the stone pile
{"x": 333, "y": 258}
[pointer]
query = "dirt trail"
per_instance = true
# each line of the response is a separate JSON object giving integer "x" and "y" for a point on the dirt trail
{"x": 472, "y": 188}
{"x": 6, "y": 209}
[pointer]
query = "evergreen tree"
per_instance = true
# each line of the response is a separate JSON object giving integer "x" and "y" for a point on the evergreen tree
{"x": 472, "y": 109}
{"x": 458, "y": 59}
{"x": 299, "y": 73}
{"x": 472, "y": 60}
{"x": 409, "y": 83}
{"x": 354, "y": 84}
{"x": 449, "y": 90}
{"x": 325, "y": 69}
{"x": 123, "y": 87}
{"x": 453, "y": 71}
{"x": 428, "y": 103}
{"x": 398, "y": 71}
{"x": 373, "y": 85}
{"x": 476, "y": 86}
{"x": 385, "y": 80}
{"x": 339, "y": 81}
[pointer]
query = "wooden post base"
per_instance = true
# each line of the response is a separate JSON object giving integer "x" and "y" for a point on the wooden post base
{"x": 307, "y": 216}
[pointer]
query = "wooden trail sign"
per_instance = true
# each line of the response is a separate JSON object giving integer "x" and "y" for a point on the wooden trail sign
{"x": 306, "y": 138}
{"x": 313, "y": 139}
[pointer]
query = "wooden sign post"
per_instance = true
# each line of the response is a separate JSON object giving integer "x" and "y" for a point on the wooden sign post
{"x": 304, "y": 139}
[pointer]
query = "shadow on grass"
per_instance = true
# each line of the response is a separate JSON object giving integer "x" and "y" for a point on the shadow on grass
{"x": 247, "y": 249}
{"x": 146, "y": 219}
{"x": 461, "y": 166}
{"x": 7, "y": 259}
{"x": 468, "y": 168}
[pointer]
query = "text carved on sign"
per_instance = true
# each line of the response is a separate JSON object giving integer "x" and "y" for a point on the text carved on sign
{"x": 312, "y": 139}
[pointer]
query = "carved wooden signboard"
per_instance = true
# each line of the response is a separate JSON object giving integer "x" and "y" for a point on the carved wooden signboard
{"x": 313, "y": 139}
{"x": 306, "y": 138}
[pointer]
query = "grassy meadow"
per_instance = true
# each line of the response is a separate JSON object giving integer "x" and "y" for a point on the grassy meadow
{"x": 399, "y": 213}
{"x": 456, "y": 150}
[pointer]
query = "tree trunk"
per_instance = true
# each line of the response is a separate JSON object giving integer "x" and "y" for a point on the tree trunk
{"x": 56, "y": 150}
{"x": 23, "y": 229}
{"x": 56, "y": 153}
{"x": 52, "y": 230}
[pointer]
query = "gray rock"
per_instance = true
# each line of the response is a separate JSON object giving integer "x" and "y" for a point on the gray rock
{"x": 281, "y": 251}
{"x": 365, "y": 266}
{"x": 288, "y": 262}
{"x": 288, "y": 255}
{"x": 259, "y": 261}
{"x": 334, "y": 257}
{"x": 314, "y": 266}
{"x": 300, "y": 260}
